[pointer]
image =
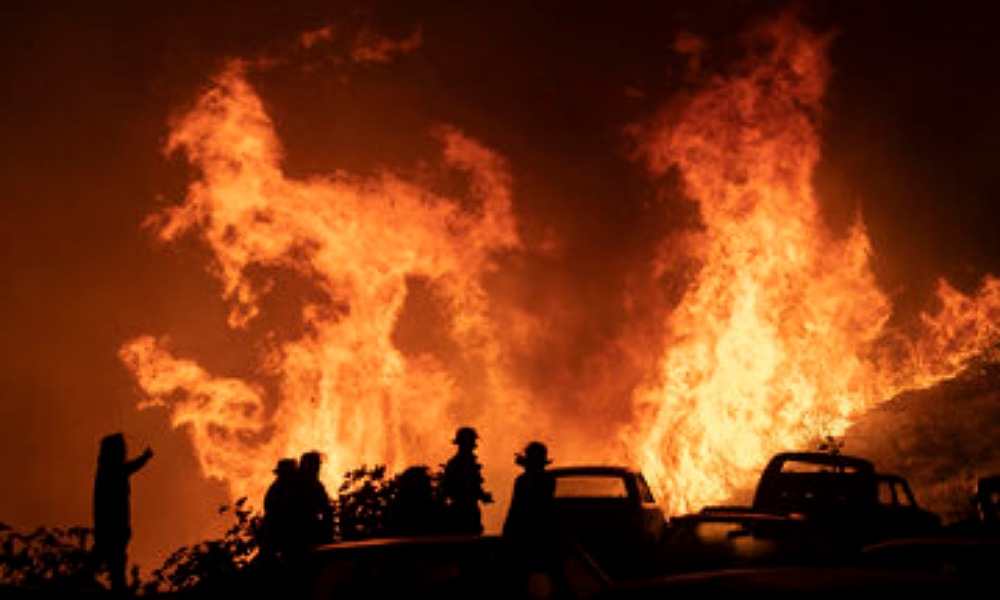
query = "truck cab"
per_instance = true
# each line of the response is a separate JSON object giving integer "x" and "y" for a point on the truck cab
{"x": 611, "y": 512}
{"x": 844, "y": 495}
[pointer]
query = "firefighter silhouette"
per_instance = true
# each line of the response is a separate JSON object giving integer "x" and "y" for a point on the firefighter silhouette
{"x": 112, "y": 510}
{"x": 278, "y": 531}
{"x": 298, "y": 513}
{"x": 462, "y": 485}
{"x": 314, "y": 506}
{"x": 530, "y": 508}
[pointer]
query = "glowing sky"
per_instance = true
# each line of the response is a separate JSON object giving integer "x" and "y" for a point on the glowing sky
{"x": 89, "y": 91}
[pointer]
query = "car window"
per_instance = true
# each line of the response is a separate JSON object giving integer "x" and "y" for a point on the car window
{"x": 887, "y": 494}
{"x": 805, "y": 466}
{"x": 590, "y": 486}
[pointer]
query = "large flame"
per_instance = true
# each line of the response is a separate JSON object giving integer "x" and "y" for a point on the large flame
{"x": 781, "y": 338}
{"x": 342, "y": 386}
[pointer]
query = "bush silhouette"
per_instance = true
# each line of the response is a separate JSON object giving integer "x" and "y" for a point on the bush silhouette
{"x": 48, "y": 557}
{"x": 211, "y": 560}
{"x": 369, "y": 503}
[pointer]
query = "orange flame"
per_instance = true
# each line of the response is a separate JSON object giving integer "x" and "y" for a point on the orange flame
{"x": 781, "y": 338}
{"x": 344, "y": 387}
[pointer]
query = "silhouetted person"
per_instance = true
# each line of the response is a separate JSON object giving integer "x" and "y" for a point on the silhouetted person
{"x": 315, "y": 511}
{"x": 462, "y": 485}
{"x": 530, "y": 510}
{"x": 279, "y": 535}
{"x": 415, "y": 511}
{"x": 112, "y": 518}
{"x": 986, "y": 501}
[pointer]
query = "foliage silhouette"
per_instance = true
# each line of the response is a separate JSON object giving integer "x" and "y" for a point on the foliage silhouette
{"x": 211, "y": 560}
{"x": 362, "y": 504}
{"x": 367, "y": 504}
{"x": 370, "y": 504}
{"x": 47, "y": 558}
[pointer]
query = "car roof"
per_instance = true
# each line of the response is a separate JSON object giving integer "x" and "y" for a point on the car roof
{"x": 822, "y": 458}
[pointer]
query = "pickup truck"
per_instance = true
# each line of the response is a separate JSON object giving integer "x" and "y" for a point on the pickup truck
{"x": 844, "y": 495}
{"x": 809, "y": 508}
{"x": 611, "y": 512}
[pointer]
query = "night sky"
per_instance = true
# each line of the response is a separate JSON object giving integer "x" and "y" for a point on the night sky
{"x": 88, "y": 91}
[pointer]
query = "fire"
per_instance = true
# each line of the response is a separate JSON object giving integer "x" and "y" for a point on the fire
{"x": 343, "y": 385}
{"x": 781, "y": 338}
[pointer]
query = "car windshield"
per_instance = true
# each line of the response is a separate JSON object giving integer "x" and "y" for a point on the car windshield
{"x": 590, "y": 486}
{"x": 802, "y": 466}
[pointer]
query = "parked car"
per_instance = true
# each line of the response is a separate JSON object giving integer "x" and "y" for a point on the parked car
{"x": 612, "y": 513}
{"x": 801, "y": 581}
{"x": 726, "y": 537}
{"x": 490, "y": 567}
{"x": 845, "y": 495}
{"x": 809, "y": 508}
{"x": 969, "y": 559}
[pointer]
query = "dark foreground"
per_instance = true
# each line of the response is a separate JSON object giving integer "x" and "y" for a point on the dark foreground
{"x": 492, "y": 567}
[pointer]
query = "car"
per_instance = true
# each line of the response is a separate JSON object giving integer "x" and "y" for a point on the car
{"x": 611, "y": 512}
{"x": 855, "y": 503}
{"x": 809, "y": 508}
{"x": 720, "y": 537}
{"x": 491, "y": 567}
{"x": 971, "y": 559}
{"x": 792, "y": 581}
